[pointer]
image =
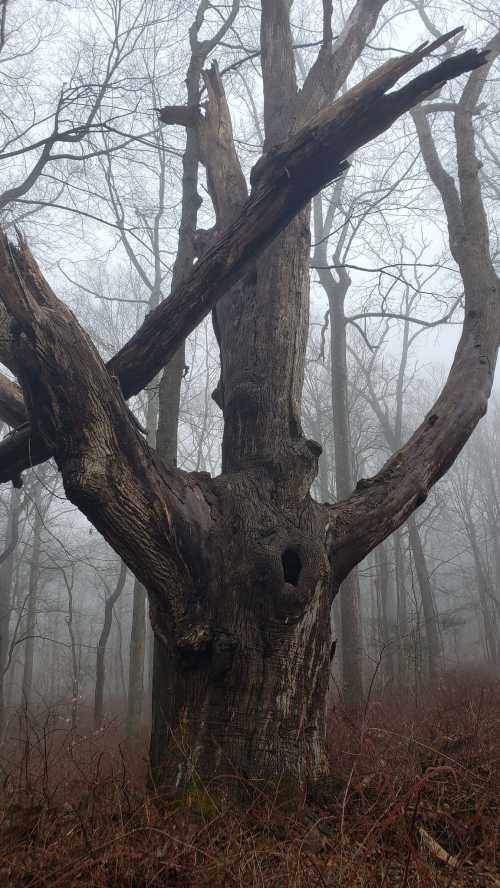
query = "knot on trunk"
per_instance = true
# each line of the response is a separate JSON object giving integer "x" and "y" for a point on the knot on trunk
{"x": 214, "y": 649}
{"x": 196, "y": 640}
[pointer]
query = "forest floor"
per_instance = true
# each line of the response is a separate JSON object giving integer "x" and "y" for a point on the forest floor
{"x": 418, "y": 803}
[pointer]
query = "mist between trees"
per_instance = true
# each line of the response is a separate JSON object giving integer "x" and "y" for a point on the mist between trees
{"x": 229, "y": 548}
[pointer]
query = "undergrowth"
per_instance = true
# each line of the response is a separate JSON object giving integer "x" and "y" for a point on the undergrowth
{"x": 418, "y": 803}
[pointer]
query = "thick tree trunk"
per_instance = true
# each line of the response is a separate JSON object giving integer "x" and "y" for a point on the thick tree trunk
{"x": 245, "y": 695}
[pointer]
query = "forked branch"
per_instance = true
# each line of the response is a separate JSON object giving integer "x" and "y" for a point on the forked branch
{"x": 284, "y": 181}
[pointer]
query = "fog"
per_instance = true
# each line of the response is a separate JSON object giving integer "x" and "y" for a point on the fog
{"x": 96, "y": 183}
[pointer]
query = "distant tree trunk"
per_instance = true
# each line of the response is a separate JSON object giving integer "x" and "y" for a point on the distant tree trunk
{"x": 349, "y": 604}
{"x": 486, "y": 596}
{"x": 6, "y": 575}
{"x": 385, "y": 617}
{"x": 492, "y": 507}
{"x": 34, "y": 576}
{"x": 135, "y": 696}
{"x": 402, "y": 610}
{"x": 351, "y": 633}
{"x": 75, "y": 650}
{"x": 101, "y": 646}
{"x": 431, "y": 618}
{"x": 393, "y": 433}
{"x": 54, "y": 659}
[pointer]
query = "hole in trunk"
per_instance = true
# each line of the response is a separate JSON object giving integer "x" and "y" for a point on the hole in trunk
{"x": 292, "y": 566}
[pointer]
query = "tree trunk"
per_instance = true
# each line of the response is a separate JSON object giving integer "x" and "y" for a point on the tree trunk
{"x": 350, "y": 617}
{"x": 6, "y": 575}
{"x": 137, "y": 647}
{"x": 385, "y": 615}
{"x": 431, "y": 618}
{"x": 34, "y": 575}
{"x": 245, "y": 695}
{"x": 486, "y": 598}
{"x": 135, "y": 696}
{"x": 101, "y": 647}
{"x": 240, "y": 569}
{"x": 402, "y": 610}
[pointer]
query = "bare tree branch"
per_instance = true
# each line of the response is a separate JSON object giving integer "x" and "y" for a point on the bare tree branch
{"x": 284, "y": 181}
{"x": 381, "y": 504}
{"x": 336, "y": 60}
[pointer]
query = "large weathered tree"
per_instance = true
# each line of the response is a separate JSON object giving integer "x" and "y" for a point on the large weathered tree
{"x": 241, "y": 569}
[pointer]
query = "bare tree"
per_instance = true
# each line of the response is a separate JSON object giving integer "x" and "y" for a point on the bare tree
{"x": 241, "y": 569}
